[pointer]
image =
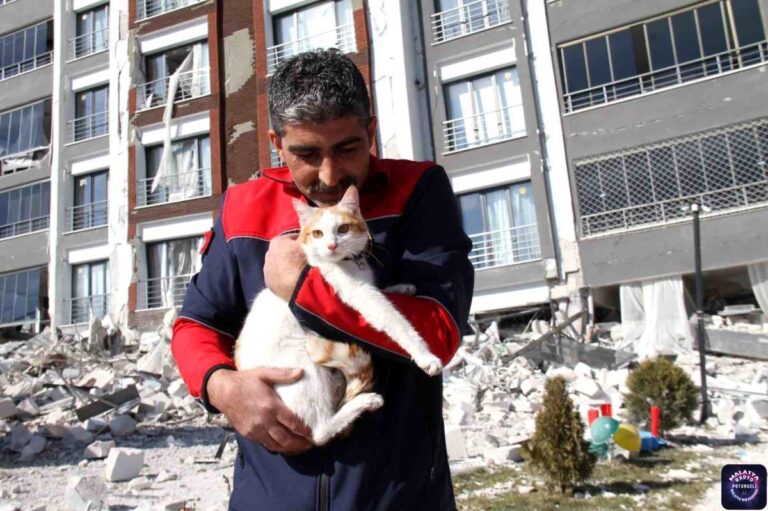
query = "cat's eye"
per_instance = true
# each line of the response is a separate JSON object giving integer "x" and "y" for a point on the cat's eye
{"x": 317, "y": 233}
{"x": 343, "y": 229}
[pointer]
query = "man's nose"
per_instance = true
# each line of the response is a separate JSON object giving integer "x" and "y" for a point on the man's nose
{"x": 330, "y": 172}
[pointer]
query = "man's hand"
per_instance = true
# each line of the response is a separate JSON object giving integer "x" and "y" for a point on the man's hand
{"x": 282, "y": 265}
{"x": 256, "y": 411}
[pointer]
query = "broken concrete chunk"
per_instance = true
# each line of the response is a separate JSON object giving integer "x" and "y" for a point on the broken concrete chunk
{"x": 759, "y": 407}
{"x": 181, "y": 505}
{"x": 455, "y": 443}
{"x": 35, "y": 446}
{"x": 588, "y": 387}
{"x": 20, "y": 437}
{"x": 7, "y": 408}
{"x": 98, "y": 450}
{"x": 29, "y": 407}
{"x": 164, "y": 476}
{"x": 79, "y": 435}
{"x": 97, "y": 378}
{"x": 155, "y": 360}
{"x": 503, "y": 455}
{"x": 122, "y": 425}
{"x": 177, "y": 388}
{"x": 140, "y": 483}
{"x": 582, "y": 370}
{"x": 96, "y": 424}
{"x": 123, "y": 464}
{"x": 84, "y": 493}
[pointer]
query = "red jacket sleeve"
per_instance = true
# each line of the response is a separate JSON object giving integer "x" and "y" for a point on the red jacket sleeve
{"x": 198, "y": 350}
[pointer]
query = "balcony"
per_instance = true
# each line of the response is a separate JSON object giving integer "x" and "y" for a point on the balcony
{"x": 82, "y": 309}
{"x": 25, "y": 66}
{"x": 163, "y": 292}
{"x": 3, "y": 2}
{"x": 506, "y": 246}
{"x": 342, "y": 37}
{"x": 88, "y": 44}
{"x": 86, "y": 216}
{"x": 484, "y": 128}
{"x": 174, "y": 187}
{"x": 191, "y": 84}
{"x": 24, "y": 227}
{"x": 706, "y": 67}
{"x": 85, "y": 128}
{"x": 468, "y": 19}
{"x": 149, "y": 8}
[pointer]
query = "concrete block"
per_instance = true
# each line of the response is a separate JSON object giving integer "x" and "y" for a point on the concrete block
{"x": 84, "y": 493}
{"x": 122, "y": 425}
{"x": 177, "y": 388}
{"x": 98, "y": 378}
{"x": 455, "y": 443}
{"x": 98, "y": 450}
{"x": 164, "y": 476}
{"x": 123, "y": 464}
{"x": 34, "y": 447}
{"x": 96, "y": 424}
{"x": 582, "y": 370}
{"x": 528, "y": 385}
{"x": 139, "y": 484}
{"x": 20, "y": 437}
{"x": 724, "y": 410}
{"x": 7, "y": 408}
{"x": 503, "y": 455}
{"x": 79, "y": 434}
{"x": 28, "y": 407}
{"x": 564, "y": 372}
{"x": 588, "y": 387}
{"x": 759, "y": 407}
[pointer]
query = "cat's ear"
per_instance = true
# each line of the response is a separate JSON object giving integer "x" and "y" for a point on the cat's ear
{"x": 350, "y": 202}
{"x": 303, "y": 211}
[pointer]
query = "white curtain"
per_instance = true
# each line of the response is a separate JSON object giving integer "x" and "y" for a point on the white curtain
{"x": 198, "y": 81}
{"x": 486, "y": 104}
{"x": 509, "y": 91}
{"x": 758, "y": 276}
{"x": 632, "y": 315}
{"x": 500, "y": 223}
{"x": 665, "y": 325}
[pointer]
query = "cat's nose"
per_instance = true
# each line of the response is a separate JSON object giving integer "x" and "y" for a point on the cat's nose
{"x": 332, "y": 246}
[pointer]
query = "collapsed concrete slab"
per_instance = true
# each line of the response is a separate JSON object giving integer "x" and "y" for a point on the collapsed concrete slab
{"x": 123, "y": 464}
{"x": 85, "y": 493}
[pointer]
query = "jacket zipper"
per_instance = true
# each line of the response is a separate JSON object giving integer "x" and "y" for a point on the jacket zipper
{"x": 323, "y": 493}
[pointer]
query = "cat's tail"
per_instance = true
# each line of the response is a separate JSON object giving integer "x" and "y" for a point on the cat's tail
{"x": 353, "y": 362}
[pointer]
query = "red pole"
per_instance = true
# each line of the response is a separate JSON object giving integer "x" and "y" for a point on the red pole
{"x": 655, "y": 416}
{"x": 592, "y": 415}
{"x": 606, "y": 410}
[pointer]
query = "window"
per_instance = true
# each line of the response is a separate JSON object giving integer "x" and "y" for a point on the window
{"x": 192, "y": 63}
{"x": 91, "y": 114}
{"x": 90, "y": 291}
{"x": 319, "y": 25}
{"x": 675, "y": 49}
{"x": 170, "y": 266}
{"x": 721, "y": 169}
{"x": 25, "y": 129}
{"x": 20, "y": 296}
{"x": 25, "y": 209}
{"x": 502, "y": 225}
{"x": 483, "y": 110}
{"x": 90, "y": 209}
{"x": 187, "y": 173}
{"x": 456, "y": 18}
{"x": 92, "y": 34}
{"x": 26, "y": 49}
{"x": 149, "y": 8}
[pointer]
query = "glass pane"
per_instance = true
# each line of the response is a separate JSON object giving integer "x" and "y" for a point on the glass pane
{"x": 33, "y": 293}
{"x": 712, "y": 29}
{"x": 523, "y": 211}
{"x": 25, "y": 128}
{"x": 471, "y": 213}
{"x": 8, "y": 298}
{"x": 660, "y": 43}
{"x": 84, "y": 23}
{"x": 3, "y": 209}
{"x": 575, "y": 68}
{"x": 14, "y": 206}
{"x": 344, "y": 13}
{"x": 18, "y": 46}
{"x": 597, "y": 59}
{"x": 98, "y": 278}
{"x": 26, "y": 203}
{"x": 99, "y": 192}
{"x": 14, "y": 133}
{"x": 687, "y": 45}
{"x": 155, "y": 67}
{"x": 153, "y": 156}
{"x": 155, "y": 259}
{"x": 285, "y": 29}
{"x": 5, "y": 124}
{"x": 46, "y": 198}
{"x": 37, "y": 206}
{"x": 82, "y": 190}
{"x": 20, "y": 299}
{"x": 7, "y": 51}
{"x": 30, "y": 35}
{"x": 588, "y": 189}
{"x": 749, "y": 22}
{"x": 205, "y": 153}
{"x": 80, "y": 281}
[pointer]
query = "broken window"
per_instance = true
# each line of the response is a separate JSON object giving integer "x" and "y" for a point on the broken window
{"x": 24, "y": 136}
{"x": 24, "y": 210}
{"x": 502, "y": 225}
{"x": 483, "y": 109}
{"x": 170, "y": 266}
{"x": 90, "y": 291}
{"x": 20, "y": 297}
{"x": 90, "y": 204}
{"x": 189, "y": 175}
{"x": 26, "y": 49}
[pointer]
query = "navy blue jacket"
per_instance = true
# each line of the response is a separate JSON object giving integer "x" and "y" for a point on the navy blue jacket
{"x": 395, "y": 458}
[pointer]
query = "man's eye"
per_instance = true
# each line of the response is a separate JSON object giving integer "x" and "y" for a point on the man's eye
{"x": 343, "y": 229}
{"x": 317, "y": 233}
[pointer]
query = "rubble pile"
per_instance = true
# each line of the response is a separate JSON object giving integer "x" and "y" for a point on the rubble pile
{"x": 491, "y": 397}
{"x": 90, "y": 390}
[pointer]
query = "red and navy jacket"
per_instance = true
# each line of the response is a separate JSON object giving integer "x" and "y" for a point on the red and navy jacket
{"x": 395, "y": 457}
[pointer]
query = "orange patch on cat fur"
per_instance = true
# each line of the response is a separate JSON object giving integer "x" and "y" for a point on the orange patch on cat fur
{"x": 356, "y": 223}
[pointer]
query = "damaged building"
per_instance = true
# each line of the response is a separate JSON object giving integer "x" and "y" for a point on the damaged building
{"x": 576, "y": 134}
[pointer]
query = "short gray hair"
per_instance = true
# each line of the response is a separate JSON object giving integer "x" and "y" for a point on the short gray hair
{"x": 315, "y": 87}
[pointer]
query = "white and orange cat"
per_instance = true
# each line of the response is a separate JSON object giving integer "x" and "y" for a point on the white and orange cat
{"x": 334, "y": 240}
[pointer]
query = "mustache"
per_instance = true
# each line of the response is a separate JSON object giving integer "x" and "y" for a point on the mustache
{"x": 344, "y": 183}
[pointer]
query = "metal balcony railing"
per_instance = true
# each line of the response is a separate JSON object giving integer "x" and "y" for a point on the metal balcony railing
{"x": 192, "y": 84}
{"x": 342, "y": 37}
{"x": 484, "y": 128}
{"x": 3, "y": 2}
{"x": 148, "y": 8}
{"x": 725, "y": 169}
{"x": 90, "y": 126}
{"x": 174, "y": 187}
{"x": 88, "y": 44}
{"x": 469, "y": 18}
{"x": 82, "y": 308}
{"x": 505, "y": 246}
{"x": 26, "y": 65}
{"x": 25, "y": 226}
{"x": 645, "y": 83}
{"x": 163, "y": 292}
{"x": 86, "y": 216}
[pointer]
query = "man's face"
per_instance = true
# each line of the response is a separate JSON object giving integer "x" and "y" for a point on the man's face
{"x": 324, "y": 159}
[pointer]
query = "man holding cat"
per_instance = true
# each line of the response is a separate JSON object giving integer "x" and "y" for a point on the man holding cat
{"x": 393, "y": 458}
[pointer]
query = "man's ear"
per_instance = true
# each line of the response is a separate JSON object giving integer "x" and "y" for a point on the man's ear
{"x": 371, "y": 129}
{"x": 276, "y": 141}
{"x": 303, "y": 211}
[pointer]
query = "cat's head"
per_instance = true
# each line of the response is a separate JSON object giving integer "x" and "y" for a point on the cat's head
{"x": 333, "y": 233}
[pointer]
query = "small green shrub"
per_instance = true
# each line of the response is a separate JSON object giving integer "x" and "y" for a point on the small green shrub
{"x": 660, "y": 382}
{"x": 558, "y": 449}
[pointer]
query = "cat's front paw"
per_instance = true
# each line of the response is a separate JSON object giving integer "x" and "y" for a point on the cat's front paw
{"x": 405, "y": 289}
{"x": 372, "y": 401}
{"x": 429, "y": 363}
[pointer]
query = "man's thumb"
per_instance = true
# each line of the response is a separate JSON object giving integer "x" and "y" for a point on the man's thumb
{"x": 281, "y": 374}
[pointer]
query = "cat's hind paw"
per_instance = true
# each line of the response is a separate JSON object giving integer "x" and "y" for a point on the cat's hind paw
{"x": 429, "y": 363}
{"x": 372, "y": 401}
